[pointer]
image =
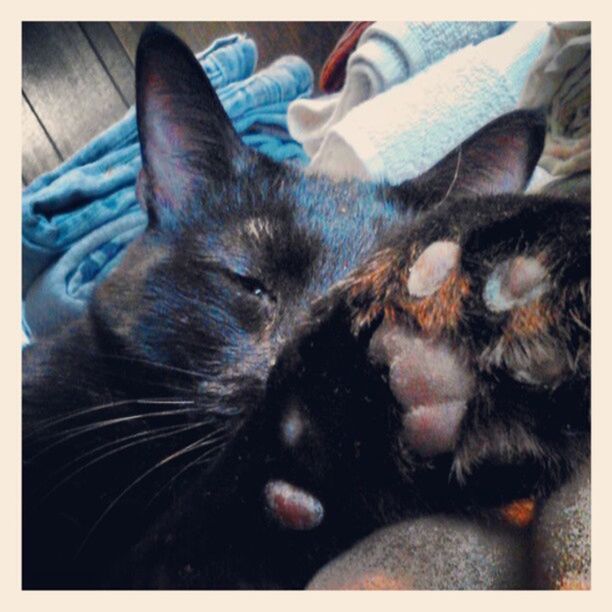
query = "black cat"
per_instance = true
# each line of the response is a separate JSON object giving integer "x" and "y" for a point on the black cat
{"x": 226, "y": 414}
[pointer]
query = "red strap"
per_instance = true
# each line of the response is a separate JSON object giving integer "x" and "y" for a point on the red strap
{"x": 333, "y": 72}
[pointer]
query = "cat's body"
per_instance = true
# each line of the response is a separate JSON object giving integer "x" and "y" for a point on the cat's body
{"x": 169, "y": 435}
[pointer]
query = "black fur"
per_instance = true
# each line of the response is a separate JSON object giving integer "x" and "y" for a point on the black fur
{"x": 151, "y": 425}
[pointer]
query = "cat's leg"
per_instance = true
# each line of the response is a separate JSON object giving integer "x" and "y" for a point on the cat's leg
{"x": 483, "y": 324}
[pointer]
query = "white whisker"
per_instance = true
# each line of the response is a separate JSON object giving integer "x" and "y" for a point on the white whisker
{"x": 448, "y": 192}
{"x": 156, "y": 364}
{"x": 77, "y": 413}
{"x": 131, "y": 444}
{"x": 166, "y": 460}
{"x": 204, "y": 455}
{"x": 77, "y": 431}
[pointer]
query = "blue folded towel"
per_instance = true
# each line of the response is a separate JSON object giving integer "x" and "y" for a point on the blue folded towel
{"x": 78, "y": 218}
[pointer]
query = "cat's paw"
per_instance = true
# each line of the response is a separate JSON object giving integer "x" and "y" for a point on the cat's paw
{"x": 454, "y": 366}
{"x": 482, "y": 321}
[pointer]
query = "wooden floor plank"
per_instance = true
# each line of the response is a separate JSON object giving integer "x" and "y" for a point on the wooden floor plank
{"x": 128, "y": 33}
{"x": 113, "y": 57}
{"x": 67, "y": 86}
{"x": 38, "y": 152}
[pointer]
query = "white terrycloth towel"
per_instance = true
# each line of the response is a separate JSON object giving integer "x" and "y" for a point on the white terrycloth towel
{"x": 387, "y": 54}
{"x": 401, "y": 133}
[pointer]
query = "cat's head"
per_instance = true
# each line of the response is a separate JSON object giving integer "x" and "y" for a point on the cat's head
{"x": 237, "y": 245}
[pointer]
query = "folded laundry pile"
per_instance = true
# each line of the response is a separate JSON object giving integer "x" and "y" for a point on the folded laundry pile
{"x": 412, "y": 93}
{"x": 78, "y": 219}
{"x": 560, "y": 82}
{"x": 387, "y": 53}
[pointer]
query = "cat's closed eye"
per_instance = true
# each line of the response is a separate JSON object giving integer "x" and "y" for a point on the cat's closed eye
{"x": 256, "y": 290}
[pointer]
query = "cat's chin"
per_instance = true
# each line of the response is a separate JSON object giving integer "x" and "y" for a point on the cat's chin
{"x": 431, "y": 382}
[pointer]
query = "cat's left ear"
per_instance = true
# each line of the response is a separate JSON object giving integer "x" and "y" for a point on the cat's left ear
{"x": 186, "y": 138}
{"x": 499, "y": 158}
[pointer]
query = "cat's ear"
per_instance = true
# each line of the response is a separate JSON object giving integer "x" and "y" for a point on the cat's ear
{"x": 186, "y": 138}
{"x": 499, "y": 158}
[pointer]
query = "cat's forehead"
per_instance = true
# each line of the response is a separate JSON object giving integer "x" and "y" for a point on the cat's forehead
{"x": 289, "y": 222}
{"x": 255, "y": 231}
{"x": 258, "y": 228}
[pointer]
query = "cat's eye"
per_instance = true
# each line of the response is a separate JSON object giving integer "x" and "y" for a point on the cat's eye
{"x": 254, "y": 286}
{"x": 265, "y": 299}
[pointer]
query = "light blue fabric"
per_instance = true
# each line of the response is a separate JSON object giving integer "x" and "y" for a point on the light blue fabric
{"x": 419, "y": 44}
{"x": 60, "y": 294}
{"x": 62, "y": 210}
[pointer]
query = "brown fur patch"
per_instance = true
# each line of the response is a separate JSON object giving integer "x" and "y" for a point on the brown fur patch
{"x": 374, "y": 278}
{"x": 369, "y": 288}
{"x": 574, "y": 584}
{"x": 382, "y": 287}
{"x": 442, "y": 310}
{"x": 529, "y": 321}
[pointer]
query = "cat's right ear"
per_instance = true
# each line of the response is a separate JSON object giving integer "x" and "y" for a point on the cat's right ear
{"x": 499, "y": 158}
{"x": 186, "y": 139}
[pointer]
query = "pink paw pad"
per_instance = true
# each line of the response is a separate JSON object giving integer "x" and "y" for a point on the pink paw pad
{"x": 292, "y": 507}
{"x": 515, "y": 282}
{"x": 430, "y": 381}
{"x": 432, "y": 267}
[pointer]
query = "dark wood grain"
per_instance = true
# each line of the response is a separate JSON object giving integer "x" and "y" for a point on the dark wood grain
{"x": 113, "y": 57}
{"x": 311, "y": 40}
{"x": 38, "y": 152}
{"x": 66, "y": 84}
{"x": 128, "y": 33}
